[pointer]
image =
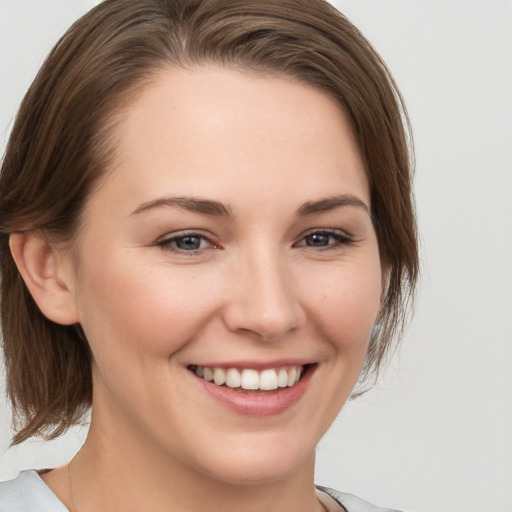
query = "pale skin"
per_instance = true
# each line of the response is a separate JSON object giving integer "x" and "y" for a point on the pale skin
{"x": 282, "y": 263}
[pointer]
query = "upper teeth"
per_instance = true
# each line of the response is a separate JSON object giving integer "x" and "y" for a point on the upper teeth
{"x": 248, "y": 378}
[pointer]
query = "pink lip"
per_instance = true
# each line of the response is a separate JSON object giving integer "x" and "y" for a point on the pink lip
{"x": 264, "y": 404}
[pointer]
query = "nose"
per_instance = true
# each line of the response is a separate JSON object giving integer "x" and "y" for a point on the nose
{"x": 263, "y": 298}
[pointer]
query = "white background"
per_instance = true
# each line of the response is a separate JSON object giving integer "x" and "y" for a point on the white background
{"x": 436, "y": 434}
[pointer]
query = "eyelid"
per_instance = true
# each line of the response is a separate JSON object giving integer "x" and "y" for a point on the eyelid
{"x": 345, "y": 238}
{"x": 182, "y": 233}
{"x": 336, "y": 231}
{"x": 165, "y": 242}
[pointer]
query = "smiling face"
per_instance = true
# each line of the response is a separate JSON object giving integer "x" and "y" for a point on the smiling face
{"x": 231, "y": 240}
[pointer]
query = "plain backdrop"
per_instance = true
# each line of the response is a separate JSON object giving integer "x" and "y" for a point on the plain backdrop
{"x": 436, "y": 433}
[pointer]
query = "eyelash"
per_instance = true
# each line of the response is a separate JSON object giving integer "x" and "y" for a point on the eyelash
{"x": 340, "y": 239}
{"x": 167, "y": 242}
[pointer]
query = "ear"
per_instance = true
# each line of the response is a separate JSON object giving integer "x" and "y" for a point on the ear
{"x": 47, "y": 275}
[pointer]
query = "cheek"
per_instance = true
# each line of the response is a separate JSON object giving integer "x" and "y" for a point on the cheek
{"x": 130, "y": 309}
{"x": 345, "y": 301}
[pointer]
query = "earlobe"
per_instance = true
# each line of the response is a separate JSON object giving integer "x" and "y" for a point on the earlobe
{"x": 44, "y": 272}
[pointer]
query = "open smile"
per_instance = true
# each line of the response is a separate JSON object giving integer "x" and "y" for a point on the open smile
{"x": 253, "y": 392}
{"x": 249, "y": 379}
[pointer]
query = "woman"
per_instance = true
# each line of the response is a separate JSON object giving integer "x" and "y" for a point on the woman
{"x": 207, "y": 236}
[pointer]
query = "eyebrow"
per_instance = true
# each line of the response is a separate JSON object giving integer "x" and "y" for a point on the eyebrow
{"x": 192, "y": 204}
{"x": 330, "y": 203}
{"x": 217, "y": 209}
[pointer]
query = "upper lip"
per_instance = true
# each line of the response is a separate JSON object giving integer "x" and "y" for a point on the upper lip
{"x": 253, "y": 364}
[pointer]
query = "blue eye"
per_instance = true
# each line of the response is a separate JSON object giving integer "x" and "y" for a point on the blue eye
{"x": 318, "y": 240}
{"x": 324, "y": 239}
{"x": 188, "y": 243}
{"x": 192, "y": 242}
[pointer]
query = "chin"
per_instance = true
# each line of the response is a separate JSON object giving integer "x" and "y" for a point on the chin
{"x": 259, "y": 463}
{"x": 255, "y": 473}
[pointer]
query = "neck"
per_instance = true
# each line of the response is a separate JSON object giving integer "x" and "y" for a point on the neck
{"x": 128, "y": 473}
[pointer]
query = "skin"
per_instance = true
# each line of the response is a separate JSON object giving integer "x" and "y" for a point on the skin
{"x": 256, "y": 289}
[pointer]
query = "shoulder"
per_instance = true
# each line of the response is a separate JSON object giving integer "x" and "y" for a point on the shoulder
{"x": 28, "y": 493}
{"x": 352, "y": 503}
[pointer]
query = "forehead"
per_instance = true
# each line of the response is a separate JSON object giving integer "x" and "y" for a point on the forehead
{"x": 210, "y": 130}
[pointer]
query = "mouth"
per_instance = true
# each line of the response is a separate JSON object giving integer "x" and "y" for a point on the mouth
{"x": 250, "y": 380}
{"x": 253, "y": 389}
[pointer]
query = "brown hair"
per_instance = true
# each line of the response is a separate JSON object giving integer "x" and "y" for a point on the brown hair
{"x": 61, "y": 144}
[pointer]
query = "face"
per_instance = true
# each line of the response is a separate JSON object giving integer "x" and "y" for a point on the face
{"x": 230, "y": 241}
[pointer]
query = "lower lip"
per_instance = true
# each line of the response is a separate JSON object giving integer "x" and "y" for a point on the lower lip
{"x": 264, "y": 404}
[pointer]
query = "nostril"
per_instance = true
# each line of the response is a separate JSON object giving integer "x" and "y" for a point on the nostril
{"x": 266, "y": 326}
{"x": 263, "y": 300}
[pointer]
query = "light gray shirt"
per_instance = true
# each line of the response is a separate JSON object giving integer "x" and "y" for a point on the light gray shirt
{"x": 29, "y": 493}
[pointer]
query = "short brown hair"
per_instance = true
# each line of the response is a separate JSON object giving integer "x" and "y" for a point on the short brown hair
{"x": 61, "y": 144}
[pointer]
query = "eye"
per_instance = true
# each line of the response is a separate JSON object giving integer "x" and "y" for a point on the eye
{"x": 324, "y": 239}
{"x": 186, "y": 242}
